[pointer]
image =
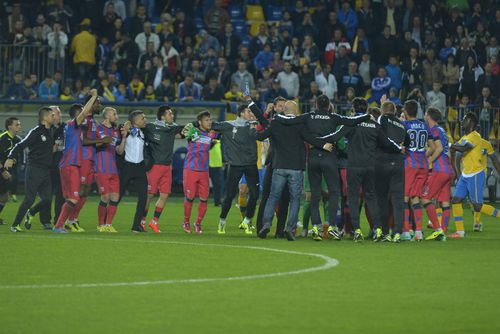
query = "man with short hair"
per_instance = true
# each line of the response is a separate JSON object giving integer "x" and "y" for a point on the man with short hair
{"x": 189, "y": 90}
{"x": 8, "y": 139}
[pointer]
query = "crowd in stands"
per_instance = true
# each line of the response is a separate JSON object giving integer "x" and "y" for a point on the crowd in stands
{"x": 438, "y": 52}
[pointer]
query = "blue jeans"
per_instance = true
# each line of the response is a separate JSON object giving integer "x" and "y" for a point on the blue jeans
{"x": 295, "y": 181}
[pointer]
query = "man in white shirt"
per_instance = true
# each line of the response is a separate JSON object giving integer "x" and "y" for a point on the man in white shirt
{"x": 289, "y": 81}
{"x": 134, "y": 169}
{"x": 146, "y": 36}
{"x": 437, "y": 99}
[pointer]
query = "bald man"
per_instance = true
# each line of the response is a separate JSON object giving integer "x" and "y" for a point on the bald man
{"x": 288, "y": 165}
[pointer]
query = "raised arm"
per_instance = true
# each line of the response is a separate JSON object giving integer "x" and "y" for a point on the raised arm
{"x": 254, "y": 108}
{"x": 87, "y": 108}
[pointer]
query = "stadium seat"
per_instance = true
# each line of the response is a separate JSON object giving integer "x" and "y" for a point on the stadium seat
{"x": 245, "y": 41}
{"x": 240, "y": 28}
{"x": 274, "y": 13}
{"x": 254, "y": 27}
{"x": 199, "y": 23}
{"x": 255, "y": 13}
{"x": 235, "y": 12}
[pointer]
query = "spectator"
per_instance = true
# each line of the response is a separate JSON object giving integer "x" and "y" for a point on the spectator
{"x": 492, "y": 49}
{"x": 57, "y": 41}
{"x": 171, "y": 57}
{"x": 495, "y": 67}
{"x": 107, "y": 92}
{"x": 485, "y": 102}
{"x": 187, "y": 58}
{"x": 166, "y": 31}
{"x": 340, "y": 67}
{"x": 189, "y": 90}
{"x": 213, "y": 91}
{"x": 182, "y": 25}
{"x": 450, "y": 79}
{"x": 351, "y": 79}
{"x": 107, "y": 22}
{"x": 406, "y": 44}
{"x": 289, "y": 80}
{"x": 393, "y": 96}
{"x": 147, "y": 36}
{"x": 245, "y": 57}
{"x": 216, "y": 18}
{"x": 276, "y": 38}
{"x": 15, "y": 88}
{"x": 78, "y": 92}
{"x": 332, "y": 49}
{"x": 234, "y": 94}
{"x": 263, "y": 58}
{"x": 429, "y": 42}
{"x": 117, "y": 28}
{"x": 446, "y": 50}
{"x": 59, "y": 12}
{"x": 264, "y": 83}
{"x": 435, "y": 98}
{"x": 135, "y": 89}
{"x": 306, "y": 75}
{"x": 495, "y": 25}
{"x": 118, "y": 8}
{"x": 27, "y": 92}
{"x": 66, "y": 94}
{"x": 198, "y": 75}
{"x": 150, "y": 96}
{"x": 298, "y": 13}
{"x": 41, "y": 23}
{"x": 276, "y": 64}
{"x": 394, "y": 72}
{"x": 487, "y": 79}
{"x": 126, "y": 54}
{"x": 308, "y": 100}
{"x": 207, "y": 41}
{"x": 286, "y": 22}
{"x": 83, "y": 48}
{"x": 469, "y": 74}
{"x": 104, "y": 54}
{"x": 416, "y": 94}
{"x": 229, "y": 42}
{"x": 326, "y": 32}
{"x": 222, "y": 73}
{"x": 292, "y": 52}
{"x": 385, "y": 46}
{"x": 347, "y": 17}
{"x": 48, "y": 89}
{"x": 464, "y": 52}
{"x": 274, "y": 92}
{"x": 149, "y": 54}
{"x": 310, "y": 51}
{"x": 453, "y": 21}
{"x": 367, "y": 70}
{"x": 257, "y": 42}
{"x": 159, "y": 72}
{"x": 380, "y": 86}
{"x": 121, "y": 93}
{"x": 360, "y": 45}
{"x": 147, "y": 74}
{"x": 136, "y": 24}
{"x": 306, "y": 27}
{"x": 208, "y": 62}
{"x": 392, "y": 17}
{"x": 326, "y": 81}
{"x": 15, "y": 16}
{"x": 412, "y": 71}
{"x": 368, "y": 20}
{"x": 433, "y": 20}
{"x": 165, "y": 92}
{"x": 241, "y": 77}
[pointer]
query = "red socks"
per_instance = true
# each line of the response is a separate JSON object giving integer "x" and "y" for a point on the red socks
{"x": 101, "y": 212}
{"x": 78, "y": 208}
{"x": 66, "y": 211}
{"x": 417, "y": 214}
{"x": 431, "y": 213}
{"x": 188, "y": 206}
{"x": 202, "y": 210}
{"x": 406, "y": 226}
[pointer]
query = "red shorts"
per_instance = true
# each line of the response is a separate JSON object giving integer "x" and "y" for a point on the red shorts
{"x": 87, "y": 172}
{"x": 196, "y": 184}
{"x": 438, "y": 187}
{"x": 415, "y": 181}
{"x": 107, "y": 183}
{"x": 343, "y": 179}
{"x": 70, "y": 182}
{"x": 160, "y": 179}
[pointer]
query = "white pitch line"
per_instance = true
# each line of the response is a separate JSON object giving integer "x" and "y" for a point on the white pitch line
{"x": 329, "y": 262}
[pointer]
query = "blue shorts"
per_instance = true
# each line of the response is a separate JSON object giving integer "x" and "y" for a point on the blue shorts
{"x": 472, "y": 186}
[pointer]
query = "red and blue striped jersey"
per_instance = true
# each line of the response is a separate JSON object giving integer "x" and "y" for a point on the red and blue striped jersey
{"x": 418, "y": 133}
{"x": 442, "y": 163}
{"x": 89, "y": 127}
{"x": 72, "y": 154}
{"x": 197, "y": 156}
{"x": 105, "y": 162}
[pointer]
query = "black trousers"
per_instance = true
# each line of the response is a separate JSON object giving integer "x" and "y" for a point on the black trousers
{"x": 37, "y": 181}
{"x": 362, "y": 178}
{"x": 46, "y": 211}
{"x": 390, "y": 186}
{"x": 135, "y": 174}
{"x": 323, "y": 164}
{"x": 233, "y": 177}
{"x": 283, "y": 204}
{"x": 216, "y": 177}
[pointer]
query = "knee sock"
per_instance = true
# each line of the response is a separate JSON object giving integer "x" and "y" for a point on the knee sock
{"x": 431, "y": 213}
{"x": 417, "y": 214}
{"x": 101, "y": 212}
{"x": 477, "y": 217}
{"x": 66, "y": 211}
{"x": 145, "y": 214}
{"x": 242, "y": 202}
{"x": 439, "y": 212}
{"x": 458, "y": 216}
{"x": 202, "y": 210}
{"x": 446, "y": 218}
{"x": 486, "y": 209}
{"x": 110, "y": 214}
{"x": 406, "y": 226}
{"x": 306, "y": 214}
{"x": 157, "y": 214}
{"x": 188, "y": 206}
{"x": 78, "y": 208}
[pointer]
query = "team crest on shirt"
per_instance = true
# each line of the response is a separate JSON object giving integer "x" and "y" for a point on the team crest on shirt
{"x": 43, "y": 138}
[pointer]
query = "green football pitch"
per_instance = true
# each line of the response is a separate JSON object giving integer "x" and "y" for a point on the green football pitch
{"x": 176, "y": 283}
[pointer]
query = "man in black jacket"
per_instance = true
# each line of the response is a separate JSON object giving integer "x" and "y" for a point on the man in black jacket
{"x": 41, "y": 144}
{"x": 288, "y": 166}
{"x": 364, "y": 139}
{"x": 160, "y": 137}
{"x": 320, "y": 123}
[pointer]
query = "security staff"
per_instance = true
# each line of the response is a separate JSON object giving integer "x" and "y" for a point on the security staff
{"x": 8, "y": 140}
{"x": 40, "y": 143}
{"x": 323, "y": 121}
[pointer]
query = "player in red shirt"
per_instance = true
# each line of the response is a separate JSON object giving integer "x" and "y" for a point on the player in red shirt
{"x": 106, "y": 175}
{"x": 196, "y": 177}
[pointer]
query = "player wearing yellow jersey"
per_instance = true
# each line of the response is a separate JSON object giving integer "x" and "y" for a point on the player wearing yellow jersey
{"x": 472, "y": 176}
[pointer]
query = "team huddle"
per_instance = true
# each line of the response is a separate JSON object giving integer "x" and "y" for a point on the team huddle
{"x": 394, "y": 163}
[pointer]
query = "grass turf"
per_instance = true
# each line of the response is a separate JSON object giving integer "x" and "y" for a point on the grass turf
{"x": 432, "y": 287}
